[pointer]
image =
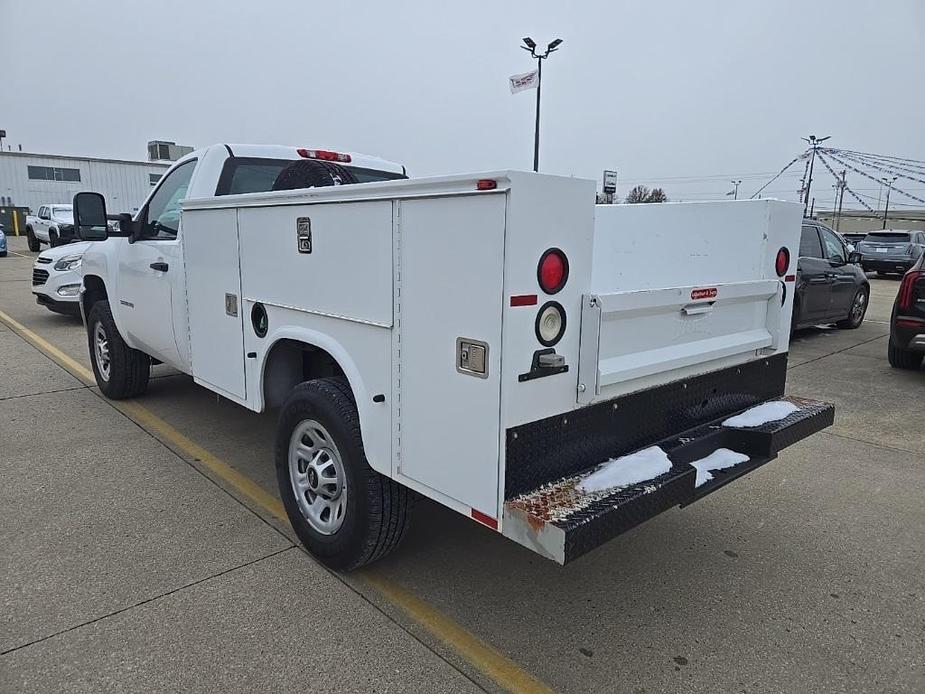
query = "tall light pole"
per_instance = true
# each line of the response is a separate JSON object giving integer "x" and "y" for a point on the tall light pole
{"x": 889, "y": 186}
{"x": 530, "y": 45}
{"x": 840, "y": 194}
{"x": 813, "y": 143}
{"x": 735, "y": 191}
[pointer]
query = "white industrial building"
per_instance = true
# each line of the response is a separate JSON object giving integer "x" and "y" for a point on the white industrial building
{"x": 31, "y": 180}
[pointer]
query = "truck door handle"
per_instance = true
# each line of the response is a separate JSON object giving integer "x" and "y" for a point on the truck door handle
{"x": 160, "y": 266}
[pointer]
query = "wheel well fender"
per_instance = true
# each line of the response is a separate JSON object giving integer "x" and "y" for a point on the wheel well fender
{"x": 295, "y": 355}
{"x": 94, "y": 289}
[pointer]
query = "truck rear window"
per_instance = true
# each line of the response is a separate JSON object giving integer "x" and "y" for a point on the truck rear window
{"x": 256, "y": 175}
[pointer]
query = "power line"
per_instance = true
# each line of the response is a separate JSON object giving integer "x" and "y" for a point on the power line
{"x": 867, "y": 175}
{"x": 874, "y": 165}
{"x": 792, "y": 162}
{"x": 837, "y": 177}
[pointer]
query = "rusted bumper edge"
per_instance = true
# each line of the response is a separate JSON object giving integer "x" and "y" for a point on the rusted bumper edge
{"x": 561, "y": 523}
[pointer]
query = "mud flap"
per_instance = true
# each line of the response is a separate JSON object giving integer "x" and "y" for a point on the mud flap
{"x": 561, "y": 523}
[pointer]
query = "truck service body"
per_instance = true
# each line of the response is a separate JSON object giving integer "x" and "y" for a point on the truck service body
{"x": 489, "y": 340}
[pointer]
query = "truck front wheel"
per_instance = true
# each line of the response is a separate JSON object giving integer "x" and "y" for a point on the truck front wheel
{"x": 120, "y": 371}
{"x": 344, "y": 512}
{"x": 34, "y": 245}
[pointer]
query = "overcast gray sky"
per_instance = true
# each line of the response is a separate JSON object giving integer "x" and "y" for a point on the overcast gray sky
{"x": 656, "y": 90}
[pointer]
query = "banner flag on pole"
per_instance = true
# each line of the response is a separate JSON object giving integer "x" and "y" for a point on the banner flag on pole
{"x": 525, "y": 80}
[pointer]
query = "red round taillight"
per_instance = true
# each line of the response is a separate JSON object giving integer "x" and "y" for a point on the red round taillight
{"x": 552, "y": 271}
{"x": 782, "y": 262}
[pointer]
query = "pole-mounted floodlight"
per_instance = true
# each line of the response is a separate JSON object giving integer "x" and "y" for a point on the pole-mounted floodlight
{"x": 530, "y": 45}
{"x": 814, "y": 142}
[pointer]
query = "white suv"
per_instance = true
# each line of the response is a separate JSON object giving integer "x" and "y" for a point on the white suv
{"x": 56, "y": 278}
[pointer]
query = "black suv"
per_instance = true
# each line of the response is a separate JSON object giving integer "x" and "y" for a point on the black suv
{"x": 907, "y": 324}
{"x": 890, "y": 251}
{"x": 829, "y": 289}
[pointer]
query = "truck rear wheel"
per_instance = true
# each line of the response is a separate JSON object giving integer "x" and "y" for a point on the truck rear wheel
{"x": 344, "y": 512}
{"x": 120, "y": 371}
{"x": 34, "y": 244}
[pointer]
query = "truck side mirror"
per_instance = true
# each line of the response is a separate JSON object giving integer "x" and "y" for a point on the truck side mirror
{"x": 854, "y": 257}
{"x": 90, "y": 217}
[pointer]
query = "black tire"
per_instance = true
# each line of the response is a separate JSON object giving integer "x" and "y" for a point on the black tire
{"x": 903, "y": 358}
{"x": 854, "y": 319}
{"x": 311, "y": 173}
{"x": 129, "y": 369}
{"x": 378, "y": 510}
{"x": 53, "y": 240}
{"x": 34, "y": 244}
{"x": 795, "y": 316}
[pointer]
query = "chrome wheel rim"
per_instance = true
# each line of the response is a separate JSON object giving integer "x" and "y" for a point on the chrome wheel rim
{"x": 101, "y": 351}
{"x": 316, "y": 473}
{"x": 857, "y": 309}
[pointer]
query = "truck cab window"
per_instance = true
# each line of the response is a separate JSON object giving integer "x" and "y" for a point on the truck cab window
{"x": 162, "y": 216}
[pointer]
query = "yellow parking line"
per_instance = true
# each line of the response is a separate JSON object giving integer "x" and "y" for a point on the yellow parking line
{"x": 476, "y": 652}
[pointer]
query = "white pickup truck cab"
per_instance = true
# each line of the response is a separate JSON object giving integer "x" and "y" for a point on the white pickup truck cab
{"x": 52, "y": 225}
{"x": 555, "y": 370}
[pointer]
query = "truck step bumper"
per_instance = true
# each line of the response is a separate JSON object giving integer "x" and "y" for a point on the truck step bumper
{"x": 562, "y": 523}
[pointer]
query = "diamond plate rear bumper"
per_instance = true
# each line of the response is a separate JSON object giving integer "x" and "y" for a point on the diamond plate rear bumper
{"x": 562, "y": 523}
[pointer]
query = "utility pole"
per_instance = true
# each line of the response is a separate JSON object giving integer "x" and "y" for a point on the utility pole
{"x": 840, "y": 194}
{"x": 735, "y": 191}
{"x": 530, "y": 45}
{"x": 889, "y": 186}
{"x": 813, "y": 143}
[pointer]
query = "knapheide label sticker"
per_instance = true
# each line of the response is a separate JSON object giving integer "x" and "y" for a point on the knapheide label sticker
{"x": 708, "y": 293}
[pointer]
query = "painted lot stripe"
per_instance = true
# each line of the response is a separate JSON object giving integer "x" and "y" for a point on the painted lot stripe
{"x": 473, "y": 650}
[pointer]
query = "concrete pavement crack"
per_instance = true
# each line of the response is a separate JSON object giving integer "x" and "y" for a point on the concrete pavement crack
{"x": 146, "y": 600}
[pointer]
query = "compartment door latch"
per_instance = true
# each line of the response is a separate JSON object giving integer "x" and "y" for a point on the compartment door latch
{"x": 472, "y": 357}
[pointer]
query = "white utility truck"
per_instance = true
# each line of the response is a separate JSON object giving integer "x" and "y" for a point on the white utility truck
{"x": 558, "y": 371}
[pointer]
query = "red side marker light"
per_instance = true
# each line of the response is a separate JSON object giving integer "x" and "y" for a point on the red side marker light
{"x": 782, "y": 262}
{"x": 486, "y": 184}
{"x": 523, "y": 300}
{"x": 790, "y": 278}
{"x": 552, "y": 270}
{"x": 484, "y": 519}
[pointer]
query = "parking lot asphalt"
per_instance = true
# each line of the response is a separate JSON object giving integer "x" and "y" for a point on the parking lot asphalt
{"x": 130, "y": 565}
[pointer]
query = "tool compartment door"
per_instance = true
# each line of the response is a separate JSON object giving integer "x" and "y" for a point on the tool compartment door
{"x": 451, "y": 268}
{"x": 213, "y": 296}
{"x": 632, "y": 335}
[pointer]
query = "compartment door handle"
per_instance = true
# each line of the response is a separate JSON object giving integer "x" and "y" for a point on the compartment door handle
{"x": 697, "y": 309}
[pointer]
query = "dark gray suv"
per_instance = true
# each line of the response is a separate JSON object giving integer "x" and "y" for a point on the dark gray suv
{"x": 829, "y": 288}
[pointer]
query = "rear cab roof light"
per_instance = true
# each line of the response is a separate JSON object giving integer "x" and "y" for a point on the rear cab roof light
{"x": 325, "y": 155}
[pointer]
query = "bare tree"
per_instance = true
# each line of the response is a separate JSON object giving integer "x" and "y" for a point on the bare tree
{"x": 643, "y": 194}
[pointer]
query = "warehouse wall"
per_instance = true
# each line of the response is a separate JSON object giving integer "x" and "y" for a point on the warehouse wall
{"x": 125, "y": 184}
